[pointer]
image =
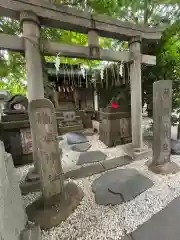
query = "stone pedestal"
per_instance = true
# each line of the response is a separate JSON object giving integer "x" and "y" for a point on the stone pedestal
{"x": 62, "y": 206}
{"x": 115, "y": 127}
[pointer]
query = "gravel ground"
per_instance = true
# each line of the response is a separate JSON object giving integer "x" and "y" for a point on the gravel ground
{"x": 91, "y": 221}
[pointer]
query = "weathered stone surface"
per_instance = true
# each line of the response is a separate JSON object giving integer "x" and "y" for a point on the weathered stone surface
{"x": 85, "y": 171}
{"x": 31, "y": 232}
{"x": 75, "y": 138}
{"x": 32, "y": 176}
{"x": 162, "y": 226}
{"x": 110, "y": 177}
{"x": 91, "y": 157}
{"x": 123, "y": 184}
{"x": 116, "y": 162}
{"x": 104, "y": 197}
{"x": 82, "y": 147}
{"x": 132, "y": 187}
{"x": 64, "y": 204}
{"x": 162, "y": 105}
{"x": 142, "y": 154}
{"x": 27, "y": 187}
{"x": 12, "y": 213}
{"x": 43, "y": 123}
{"x": 166, "y": 168}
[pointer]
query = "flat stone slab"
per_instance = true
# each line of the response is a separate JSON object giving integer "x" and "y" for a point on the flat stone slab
{"x": 75, "y": 138}
{"x": 132, "y": 187}
{"x": 116, "y": 162}
{"x": 119, "y": 186}
{"x": 91, "y": 157}
{"x": 162, "y": 226}
{"x": 82, "y": 147}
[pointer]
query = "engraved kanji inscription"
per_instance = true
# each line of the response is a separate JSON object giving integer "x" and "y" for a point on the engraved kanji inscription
{"x": 166, "y": 91}
{"x": 165, "y": 147}
{"x": 43, "y": 118}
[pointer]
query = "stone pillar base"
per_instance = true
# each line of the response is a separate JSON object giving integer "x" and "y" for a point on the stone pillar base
{"x": 31, "y": 232}
{"x": 31, "y": 183}
{"x": 166, "y": 168}
{"x": 51, "y": 215}
{"x": 141, "y": 153}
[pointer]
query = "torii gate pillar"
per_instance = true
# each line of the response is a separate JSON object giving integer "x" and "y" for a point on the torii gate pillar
{"x": 136, "y": 92}
{"x": 31, "y": 35}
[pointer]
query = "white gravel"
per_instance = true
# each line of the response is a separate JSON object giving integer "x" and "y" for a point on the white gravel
{"x": 91, "y": 221}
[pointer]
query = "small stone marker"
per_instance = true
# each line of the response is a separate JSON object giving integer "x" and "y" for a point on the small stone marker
{"x": 43, "y": 124}
{"x": 162, "y": 105}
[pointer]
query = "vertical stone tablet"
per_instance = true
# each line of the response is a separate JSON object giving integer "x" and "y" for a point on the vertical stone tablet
{"x": 162, "y": 105}
{"x": 44, "y": 128}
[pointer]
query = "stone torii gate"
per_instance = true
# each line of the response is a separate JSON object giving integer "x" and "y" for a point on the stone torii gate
{"x": 36, "y": 13}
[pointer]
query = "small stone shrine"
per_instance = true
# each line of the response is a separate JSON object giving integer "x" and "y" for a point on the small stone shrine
{"x": 115, "y": 123}
{"x": 162, "y": 105}
{"x": 48, "y": 162}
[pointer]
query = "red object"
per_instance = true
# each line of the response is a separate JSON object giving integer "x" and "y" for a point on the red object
{"x": 114, "y": 105}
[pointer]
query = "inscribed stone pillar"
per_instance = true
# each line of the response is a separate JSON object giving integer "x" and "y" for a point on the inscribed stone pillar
{"x": 43, "y": 122}
{"x": 31, "y": 35}
{"x": 162, "y": 105}
{"x": 136, "y": 92}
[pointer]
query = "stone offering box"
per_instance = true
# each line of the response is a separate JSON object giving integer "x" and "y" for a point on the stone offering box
{"x": 16, "y": 135}
{"x": 115, "y": 127}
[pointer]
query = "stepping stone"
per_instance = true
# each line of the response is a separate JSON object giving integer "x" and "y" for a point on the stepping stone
{"x": 91, "y": 157}
{"x": 82, "y": 147}
{"x": 162, "y": 226}
{"x": 123, "y": 184}
{"x": 104, "y": 197}
{"x": 132, "y": 187}
{"x": 76, "y": 138}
